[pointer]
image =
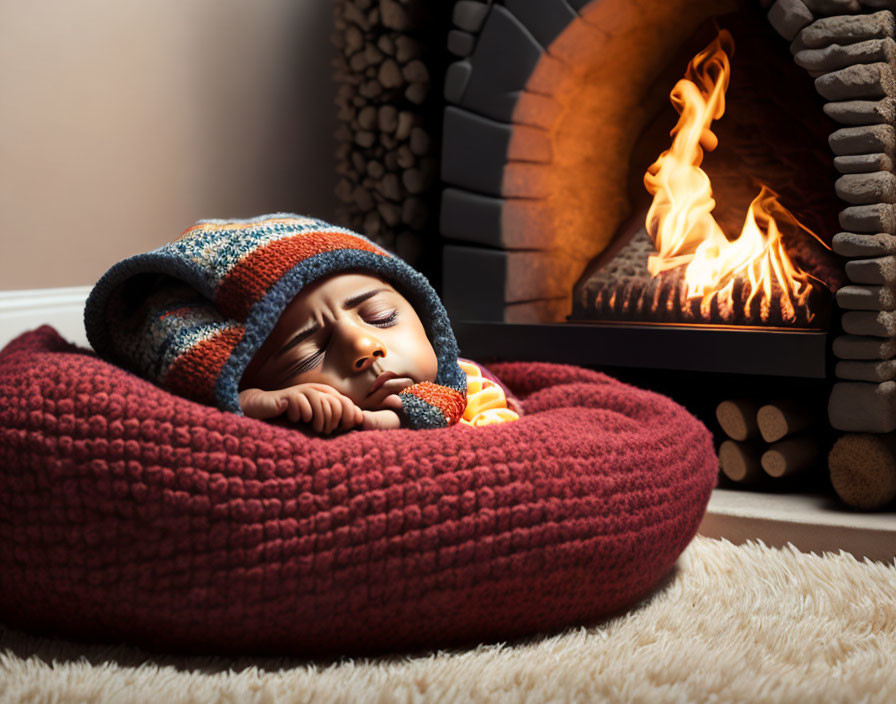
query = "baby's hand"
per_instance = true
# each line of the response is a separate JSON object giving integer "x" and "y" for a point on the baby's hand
{"x": 318, "y": 404}
{"x": 386, "y": 418}
{"x": 381, "y": 420}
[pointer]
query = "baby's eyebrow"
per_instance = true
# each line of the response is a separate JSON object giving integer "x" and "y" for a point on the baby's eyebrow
{"x": 347, "y": 304}
{"x": 357, "y": 300}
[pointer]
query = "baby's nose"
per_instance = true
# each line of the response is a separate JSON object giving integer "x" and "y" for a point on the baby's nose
{"x": 365, "y": 348}
{"x": 366, "y": 359}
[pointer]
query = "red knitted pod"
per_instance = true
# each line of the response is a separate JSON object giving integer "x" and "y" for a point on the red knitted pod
{"x": 128, "y": 513}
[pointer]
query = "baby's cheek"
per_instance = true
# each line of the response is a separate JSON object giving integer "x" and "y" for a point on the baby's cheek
{"x": 432, "y": 368}
{"x": 427, "y": 362}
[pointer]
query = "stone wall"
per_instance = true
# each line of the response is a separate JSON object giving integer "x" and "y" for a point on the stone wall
{"x": 390, "y": 123}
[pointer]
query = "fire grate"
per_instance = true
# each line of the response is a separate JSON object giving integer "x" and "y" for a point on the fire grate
{"x": 620, "y": 288}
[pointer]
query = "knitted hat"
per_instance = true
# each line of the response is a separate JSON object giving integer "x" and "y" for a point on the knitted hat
{"x": 190, "y": 315}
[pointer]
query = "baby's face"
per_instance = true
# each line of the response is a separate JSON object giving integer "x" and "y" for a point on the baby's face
{"x": 347, "y": 331}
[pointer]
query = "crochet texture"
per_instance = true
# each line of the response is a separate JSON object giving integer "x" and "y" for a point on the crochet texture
{"x": 129, "y": 513}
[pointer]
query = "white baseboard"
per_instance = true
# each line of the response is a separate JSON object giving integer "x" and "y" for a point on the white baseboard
{"x": 63, "y": 308}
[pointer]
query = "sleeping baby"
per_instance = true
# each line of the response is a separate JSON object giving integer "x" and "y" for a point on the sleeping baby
{"x": 286, "y": 317}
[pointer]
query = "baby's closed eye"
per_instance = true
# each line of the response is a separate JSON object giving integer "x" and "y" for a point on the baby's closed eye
{"x": 384, "y": 320}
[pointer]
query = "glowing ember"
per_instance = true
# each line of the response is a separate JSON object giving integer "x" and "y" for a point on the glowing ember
{"x": 680, "y": 218}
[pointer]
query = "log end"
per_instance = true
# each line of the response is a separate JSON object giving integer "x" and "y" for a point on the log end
{"x": 737, "y": 417}
{"x": 740, "y": 462}
{"x": 863, "y": 470}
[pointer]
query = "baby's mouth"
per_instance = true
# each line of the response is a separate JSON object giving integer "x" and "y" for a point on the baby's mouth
{"x": 390, "y": 382}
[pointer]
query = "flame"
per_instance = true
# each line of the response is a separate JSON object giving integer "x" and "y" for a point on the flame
{"x": 680, "y": 218}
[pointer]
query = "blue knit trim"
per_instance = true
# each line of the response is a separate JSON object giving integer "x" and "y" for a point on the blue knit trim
{"x": 421, "y": 415}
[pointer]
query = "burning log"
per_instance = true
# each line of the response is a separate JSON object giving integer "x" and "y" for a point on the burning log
{"x": 863, "y": 470}
{"x": 738, "y": 418}
{"x": 788, "y": 457}
{"x": 739, "y": 461}
{"x": 783, "y": 418}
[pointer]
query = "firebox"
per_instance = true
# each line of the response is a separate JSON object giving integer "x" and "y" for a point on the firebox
{"x": 688, "y": 258}
{"x": 642, "y": 184}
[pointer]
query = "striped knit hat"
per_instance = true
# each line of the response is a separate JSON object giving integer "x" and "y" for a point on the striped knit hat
{"x": 190, "y": 315}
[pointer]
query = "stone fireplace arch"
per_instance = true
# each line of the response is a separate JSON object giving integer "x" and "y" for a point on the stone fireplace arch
{"x": 517, "y": 131}
{"x": 526, "y": 148}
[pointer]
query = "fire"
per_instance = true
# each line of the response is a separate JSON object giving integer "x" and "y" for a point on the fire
{"x": 680, "y": 218}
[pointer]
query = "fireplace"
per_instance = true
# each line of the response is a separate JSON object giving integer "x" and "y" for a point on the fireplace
{"x": 555, "y": 111}
{"x": 724, "y": 249}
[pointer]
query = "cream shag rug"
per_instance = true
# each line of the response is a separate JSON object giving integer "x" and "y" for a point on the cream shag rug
{"x": 732, "y": 623}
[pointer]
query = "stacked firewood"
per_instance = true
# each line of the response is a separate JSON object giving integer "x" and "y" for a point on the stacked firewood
{"x": 766, "y": 442}
{"x": 384, "y": 156}
{"x": 776, "y": 439}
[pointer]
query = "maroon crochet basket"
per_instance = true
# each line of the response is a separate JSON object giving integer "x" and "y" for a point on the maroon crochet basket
{"x": 130, "y": 514}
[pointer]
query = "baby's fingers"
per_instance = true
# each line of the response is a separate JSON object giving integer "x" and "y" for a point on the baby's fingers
{"x": 342, "y": 410}
{"x": 261, "y": 404}
{"x": 326, "y": 404}
{"x": 316, "y": 419}
{"x": 392, "y": 401}
{"x": 268, "y": 407}
{"x": 299, "y": 408}
{"x": 322, "y": 417}
{"x": 351, "y": 414}
{"x": 331, "y": 417}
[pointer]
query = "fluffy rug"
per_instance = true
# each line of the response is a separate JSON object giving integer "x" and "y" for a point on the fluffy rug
{"x": 731, "y": 623}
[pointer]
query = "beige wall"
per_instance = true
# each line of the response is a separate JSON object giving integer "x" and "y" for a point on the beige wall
{"x": 124, "y": 121}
